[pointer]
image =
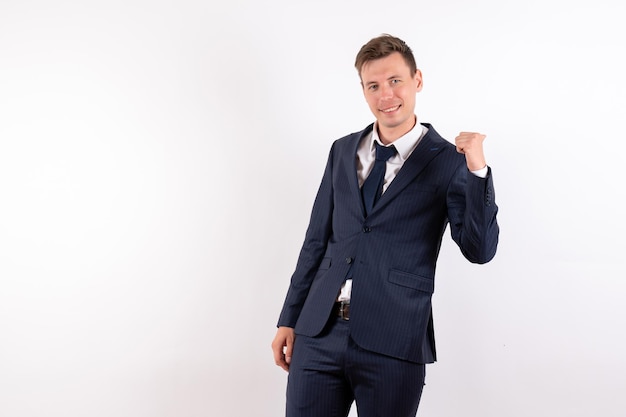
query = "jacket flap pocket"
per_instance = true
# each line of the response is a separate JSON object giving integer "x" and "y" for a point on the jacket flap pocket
{"x": 412, "y": 281}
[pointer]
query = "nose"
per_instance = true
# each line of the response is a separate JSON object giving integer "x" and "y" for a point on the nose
{"x": 386, "y": 91}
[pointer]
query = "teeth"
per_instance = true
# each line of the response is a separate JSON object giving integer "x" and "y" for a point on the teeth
{"x": 391, "y": 109}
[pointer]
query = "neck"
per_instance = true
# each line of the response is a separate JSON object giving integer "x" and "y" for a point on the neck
{"x": 389, "y": 134}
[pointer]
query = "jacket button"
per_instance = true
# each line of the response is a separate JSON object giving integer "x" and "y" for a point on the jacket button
{"x": 366, "y": 229}
{"x": 348, "y": 260}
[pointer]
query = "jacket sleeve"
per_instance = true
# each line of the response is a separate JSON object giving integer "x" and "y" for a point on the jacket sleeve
{"x": 472, "y": 214}
{"x": 316, "y": 239}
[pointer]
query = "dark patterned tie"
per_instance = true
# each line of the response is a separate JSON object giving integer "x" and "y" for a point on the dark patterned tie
{"x": 372, "y": 188}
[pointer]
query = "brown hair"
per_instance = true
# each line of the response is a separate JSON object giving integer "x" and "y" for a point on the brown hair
{"x": 381, "y": 47}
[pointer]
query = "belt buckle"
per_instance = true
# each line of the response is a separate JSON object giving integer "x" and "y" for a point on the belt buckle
{"x": 344, "y": 310}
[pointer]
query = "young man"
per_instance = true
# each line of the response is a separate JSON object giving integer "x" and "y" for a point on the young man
{"x": 357, "y": 323}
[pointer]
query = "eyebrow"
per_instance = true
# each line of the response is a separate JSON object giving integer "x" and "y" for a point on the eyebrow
{"x": 388, "y": 79}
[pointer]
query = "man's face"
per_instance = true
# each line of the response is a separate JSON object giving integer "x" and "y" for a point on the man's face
{"x": 390, "y": 90}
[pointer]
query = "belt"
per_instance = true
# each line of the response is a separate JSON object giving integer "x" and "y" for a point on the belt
{"x": 342, "y": 309}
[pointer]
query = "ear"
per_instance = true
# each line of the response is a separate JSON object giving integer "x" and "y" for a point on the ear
{"x": 418, "y": 80}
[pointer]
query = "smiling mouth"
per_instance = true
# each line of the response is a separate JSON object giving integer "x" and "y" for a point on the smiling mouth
{"x": 390, "y": 109}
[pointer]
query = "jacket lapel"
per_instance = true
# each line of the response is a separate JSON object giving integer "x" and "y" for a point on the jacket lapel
{"x": 350, "y": 165}
{"x": 430, "y": 145}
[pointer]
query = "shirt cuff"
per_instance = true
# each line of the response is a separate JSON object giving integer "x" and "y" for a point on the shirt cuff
{"x": 482, "y": 173}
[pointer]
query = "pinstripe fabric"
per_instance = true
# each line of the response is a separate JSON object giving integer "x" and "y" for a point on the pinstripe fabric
{"x": 392, "y": 252}
{"x": 330, "y": 371}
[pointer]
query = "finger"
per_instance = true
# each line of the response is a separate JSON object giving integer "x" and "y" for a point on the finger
{"x": 289, "y": 350}
{"x": 279, "y": 357}
{"x": 284, "y": 365}
{"x": 280, "y": 361}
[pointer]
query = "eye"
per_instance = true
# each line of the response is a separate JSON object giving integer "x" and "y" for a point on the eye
{"x": 395, "y": 81}
{"x": 372, "y": 87}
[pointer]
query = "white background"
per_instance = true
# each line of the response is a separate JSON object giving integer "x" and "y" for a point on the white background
{"x": 159, "y": 159}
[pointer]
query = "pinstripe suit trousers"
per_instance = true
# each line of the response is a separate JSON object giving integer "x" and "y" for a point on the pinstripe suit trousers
{"x": 330, "y": 372}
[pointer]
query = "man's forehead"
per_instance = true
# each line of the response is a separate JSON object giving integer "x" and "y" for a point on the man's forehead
{"x": 385, "y": 68}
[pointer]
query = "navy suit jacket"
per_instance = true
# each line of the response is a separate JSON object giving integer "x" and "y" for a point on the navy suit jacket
{"x": 391, "y": 254}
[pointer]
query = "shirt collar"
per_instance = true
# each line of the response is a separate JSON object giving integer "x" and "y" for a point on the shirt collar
{"x": 404, "y": 144}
